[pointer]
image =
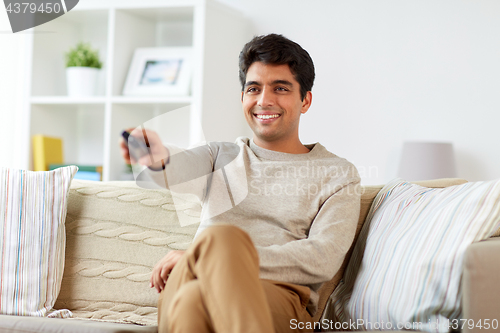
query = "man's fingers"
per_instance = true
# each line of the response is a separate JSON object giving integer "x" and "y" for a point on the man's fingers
{"x": 159, "y": 285}
{"x": 156, "y": 281}
{"x": 160, "y": 274}
{"x": 135, "y": 131}
{"x": 145, "y": 160}
{"x": 162, "y": 270}
{"x": 165, "y": 272}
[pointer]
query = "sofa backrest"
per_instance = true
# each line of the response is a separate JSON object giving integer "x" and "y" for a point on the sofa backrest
{"x": 117, "y": 231}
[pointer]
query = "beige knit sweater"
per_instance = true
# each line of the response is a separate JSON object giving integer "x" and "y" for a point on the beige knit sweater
{"x": 300, "y": 210}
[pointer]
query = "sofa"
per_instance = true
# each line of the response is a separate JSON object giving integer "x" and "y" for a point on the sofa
{"x": 117, "y": 231}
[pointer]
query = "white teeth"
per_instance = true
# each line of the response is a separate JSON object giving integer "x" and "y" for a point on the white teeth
{"x": 267, "y": 116}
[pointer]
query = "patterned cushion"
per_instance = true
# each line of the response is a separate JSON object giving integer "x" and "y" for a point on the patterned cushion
{"x": 368, "y": 194}
{"x": 32, "y": 238}
{"x": 407, "y": 263}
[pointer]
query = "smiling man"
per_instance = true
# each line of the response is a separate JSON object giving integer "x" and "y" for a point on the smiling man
{"x": 257, "y": 266}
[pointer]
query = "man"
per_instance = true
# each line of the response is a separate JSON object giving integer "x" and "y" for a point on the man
{"x": 258, "y": 266}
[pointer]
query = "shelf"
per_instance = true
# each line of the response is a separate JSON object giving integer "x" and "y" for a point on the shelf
{"x": 66, "y": 100}
{"x": 159, "y": 14}
{"x": 151, "y": 100}
{"x": 147, "y": 28}
{"x": 91, "y": 126}
{"x": 134, "y": 4}
{"x": 48, "y": 76}
{"x": 81, "y": 126}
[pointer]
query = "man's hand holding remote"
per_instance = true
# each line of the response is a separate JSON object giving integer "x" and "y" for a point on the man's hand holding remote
{"x": 158, "y": 153}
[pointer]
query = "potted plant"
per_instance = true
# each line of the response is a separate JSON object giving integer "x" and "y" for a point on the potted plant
{"x": 82, "y": 70}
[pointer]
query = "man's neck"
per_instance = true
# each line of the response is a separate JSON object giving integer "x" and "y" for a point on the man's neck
{"x": 295, "y": 147}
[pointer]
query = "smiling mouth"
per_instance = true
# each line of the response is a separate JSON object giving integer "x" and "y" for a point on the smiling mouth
{"x": 267, "y": 116}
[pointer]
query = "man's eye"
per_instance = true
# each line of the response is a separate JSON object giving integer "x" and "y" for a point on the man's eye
{"x": 252, "y": 89}
{"x": 281, "y": 89}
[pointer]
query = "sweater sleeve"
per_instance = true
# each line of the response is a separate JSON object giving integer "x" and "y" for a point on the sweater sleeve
{"x": 318, "y": 257}
{"x": 187, "y": 171}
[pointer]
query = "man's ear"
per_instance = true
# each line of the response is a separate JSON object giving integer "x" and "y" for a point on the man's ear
{"x": 242, "y": 97}
{"x": 306, "y": 102}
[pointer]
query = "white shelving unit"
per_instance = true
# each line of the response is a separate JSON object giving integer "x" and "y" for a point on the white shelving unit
{"x": 91, "y": 127}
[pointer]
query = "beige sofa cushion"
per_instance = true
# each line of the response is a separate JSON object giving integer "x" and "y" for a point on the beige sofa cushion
{"x": 24, "y": 324}
{"x": 480, "y": 285}
{"x": 368, "y": 194}
{"x": 116, "y": 232}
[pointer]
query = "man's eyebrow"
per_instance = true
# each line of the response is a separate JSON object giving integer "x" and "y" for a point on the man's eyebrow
{"x": 256, "y": 83}
{"x": 285, "y": 82}
{"x": 252, "y": 83}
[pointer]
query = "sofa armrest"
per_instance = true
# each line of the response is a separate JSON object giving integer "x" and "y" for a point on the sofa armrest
{"x": 480, "y": 286}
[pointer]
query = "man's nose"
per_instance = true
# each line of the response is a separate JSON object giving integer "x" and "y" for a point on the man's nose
{"x": 266, "y": 98}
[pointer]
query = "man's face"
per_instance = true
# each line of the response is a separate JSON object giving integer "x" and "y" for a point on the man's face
{"x": 272, "y": 103}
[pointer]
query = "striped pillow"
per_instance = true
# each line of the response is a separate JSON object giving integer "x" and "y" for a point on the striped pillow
{"x": 406, "y": 267}
{"x": 32, "y": 239}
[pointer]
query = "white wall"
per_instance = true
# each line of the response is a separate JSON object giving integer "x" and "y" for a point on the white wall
{"x": 387, "y": 71}
{"x": 12, "y": 84}
{"x": 395, "y": 70}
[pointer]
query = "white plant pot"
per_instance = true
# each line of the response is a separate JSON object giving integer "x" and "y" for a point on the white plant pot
{"x": 82, "y": 81}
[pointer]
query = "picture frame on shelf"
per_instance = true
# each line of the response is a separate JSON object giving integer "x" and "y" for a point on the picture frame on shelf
{"x": 159, "y": 71}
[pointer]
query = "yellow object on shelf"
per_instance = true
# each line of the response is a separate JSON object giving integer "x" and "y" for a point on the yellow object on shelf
{"x": 46, "y": 150}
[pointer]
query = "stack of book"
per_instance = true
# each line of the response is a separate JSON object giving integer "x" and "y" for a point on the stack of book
{"x": 48, "y": 155}
{"x": 46, "y": 150}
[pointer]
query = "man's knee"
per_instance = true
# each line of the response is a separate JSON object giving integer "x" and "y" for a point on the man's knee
{"x": 227, "y": 241}
{"x": 225, "y": 232}
{"x": 187, "y": 312}
{"x": 186, "y": 301}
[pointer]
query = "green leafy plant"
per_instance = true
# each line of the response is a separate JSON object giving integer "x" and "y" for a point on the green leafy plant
{"x": 83, "y": 56}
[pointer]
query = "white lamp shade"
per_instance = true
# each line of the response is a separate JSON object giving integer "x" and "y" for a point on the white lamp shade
{"x": 427, "y": 160}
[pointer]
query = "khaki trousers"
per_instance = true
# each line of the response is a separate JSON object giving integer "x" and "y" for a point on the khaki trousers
{"x": 215, "y": 287}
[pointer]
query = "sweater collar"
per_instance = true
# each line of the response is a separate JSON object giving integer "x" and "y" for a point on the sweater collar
{"x": 279, "y": 156}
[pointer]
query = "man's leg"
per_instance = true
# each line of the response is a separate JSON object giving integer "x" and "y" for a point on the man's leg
{"x": 189, "y": 309}
{"x": 225, "y": 265}
{"x": 288, "y": 306}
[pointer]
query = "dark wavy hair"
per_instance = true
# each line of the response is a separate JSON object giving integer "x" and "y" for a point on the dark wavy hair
{"x": 278, "y": 50}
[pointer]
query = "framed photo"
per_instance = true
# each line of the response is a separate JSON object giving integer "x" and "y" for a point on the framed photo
{"x": 159, "y": 71}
